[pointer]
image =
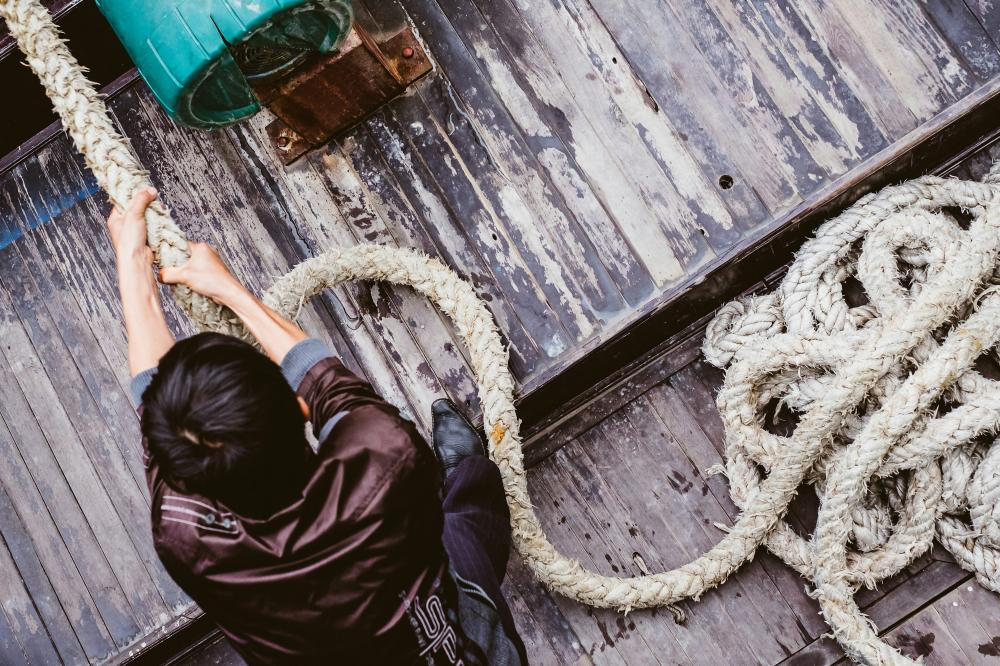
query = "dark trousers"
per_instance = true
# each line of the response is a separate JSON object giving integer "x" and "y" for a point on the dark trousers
{"x": 477, "y": 531}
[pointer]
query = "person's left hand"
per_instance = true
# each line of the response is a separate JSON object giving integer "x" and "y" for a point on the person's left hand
{"x": 204, "y": 273}
{"x": 128, "y": 230}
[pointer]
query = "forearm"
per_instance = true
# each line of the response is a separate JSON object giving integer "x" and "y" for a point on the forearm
{"x": 149, "y": 337}
{"x": 276, "y": 334}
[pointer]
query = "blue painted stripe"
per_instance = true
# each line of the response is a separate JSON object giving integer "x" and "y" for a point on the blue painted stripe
{"x": 12, "y": 228}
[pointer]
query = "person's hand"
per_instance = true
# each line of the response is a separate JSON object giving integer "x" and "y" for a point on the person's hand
{"x": 204, "y": 273}
{"x": 128, "y": 231}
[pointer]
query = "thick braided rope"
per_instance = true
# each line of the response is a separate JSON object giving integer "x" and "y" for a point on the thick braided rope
{"x": 897, "y": 423}
{"x": 106, "y": 152}
{"x": 778, "y": 341}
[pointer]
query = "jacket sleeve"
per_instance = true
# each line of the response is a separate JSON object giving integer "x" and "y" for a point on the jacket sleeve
{"x": 330, "y": 390}
{"x": 137, "y": 386}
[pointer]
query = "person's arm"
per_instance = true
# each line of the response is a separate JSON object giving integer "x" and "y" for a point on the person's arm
{"x": 149, "y": 337}
{"x": 206, "y": 274}
{"x": 276, "y": 334}
{"x": 328, "y": 390}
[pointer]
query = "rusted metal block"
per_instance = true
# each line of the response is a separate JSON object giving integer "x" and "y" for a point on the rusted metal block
{"x": 332, "y": 93}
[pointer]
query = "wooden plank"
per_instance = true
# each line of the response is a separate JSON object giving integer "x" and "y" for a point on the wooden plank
{"x": 716, "y": 97}
{"x": 958, "y": 627}
{"x": 971, "y": 614}
{"x": 778, "y": 108}
{"x": 818, "y": 27}
{"x": 584, "y": 61}
{"x": 625, "y": 61}
{"x": 423, "y": 220}
{"x": 586, "y": 523}
{"x": 90, "y": 392}
{"x": 564, "y": 426}
{"x": 443, "y": 352}
{"x": 967, "y": 36}
{"x": 536, "y": 287}
{"x": 525, "y": 173}
{"x": 325, "y": 317}
{"x": 120, "y": 455}
{"x": 121, "y": 526}
{"x": 928, "y": 638}
{"x": 37, "y": 486}
{"x": 923, "y": 69}
{"x": 637, "y": 445}
{"x": 558, "y": 127}
{"x": 804, "y": 83}
{"x": 905, "y": 600}
{"x": 689, "y": 385}
{"x": 565, "y": 234}
{"x": 116, "y": 462}
{"x": 33, "y": 626}
{"x": 519, "y": 289}
{"x": 484, "y": 174}
{"x": 65, "y": 261}
{"x": 547, "y": 634}
{"x": 10, "y": 649}
{"x": 706, "y": 151}
{"x": 78, "y": 434}
{"x": 422, "y": 224}
{"x": 987, "y": 12}
{"x": 531, "y": 205}
{"x": 678, "y": 421}
{"x": 75, "y": 250}
{"x": 648, "y": 534}
{"x": 217, "y": 653}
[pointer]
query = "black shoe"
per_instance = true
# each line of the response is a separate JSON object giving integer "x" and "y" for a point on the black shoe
{"x": 455, "y": 438}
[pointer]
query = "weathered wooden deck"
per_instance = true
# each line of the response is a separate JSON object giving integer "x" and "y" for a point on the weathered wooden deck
{"x": 622, "y": 486}
{"x": 583, "y": 163}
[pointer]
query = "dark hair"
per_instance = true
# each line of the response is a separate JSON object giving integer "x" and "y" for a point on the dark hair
{"x": 222, "y": 422}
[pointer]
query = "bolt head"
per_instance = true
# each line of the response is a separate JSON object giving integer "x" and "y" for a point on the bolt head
{"x": 283, "y": 141}
{"x": 407, "y": 52}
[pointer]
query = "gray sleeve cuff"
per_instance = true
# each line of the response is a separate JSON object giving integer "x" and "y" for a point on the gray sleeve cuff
{"x": 138, "y": 385}
{"x": 301, "y": 358}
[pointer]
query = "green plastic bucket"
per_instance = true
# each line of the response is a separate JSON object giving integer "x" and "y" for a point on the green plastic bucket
{"x": 200, "y": 56}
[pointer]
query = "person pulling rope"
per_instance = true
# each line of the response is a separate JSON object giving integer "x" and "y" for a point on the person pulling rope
{"x": 868, "y": 381}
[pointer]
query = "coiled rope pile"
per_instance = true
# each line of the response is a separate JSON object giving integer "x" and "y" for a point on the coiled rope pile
{"x": 892, "y": 412}
{"x": 897, "y": 427}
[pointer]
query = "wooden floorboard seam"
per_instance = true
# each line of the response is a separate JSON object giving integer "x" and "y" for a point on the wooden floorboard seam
{"x": 115, "y": 572}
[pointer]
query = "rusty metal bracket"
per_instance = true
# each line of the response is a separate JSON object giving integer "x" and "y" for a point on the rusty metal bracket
{"x": 330, "y": 94}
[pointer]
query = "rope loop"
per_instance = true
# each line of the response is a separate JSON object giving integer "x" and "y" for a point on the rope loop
{"x": 871, "y": 350}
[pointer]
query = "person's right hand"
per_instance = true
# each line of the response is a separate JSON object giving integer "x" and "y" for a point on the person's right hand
{"x": 204, "y": 273}
{"x": 128, "y": 232}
